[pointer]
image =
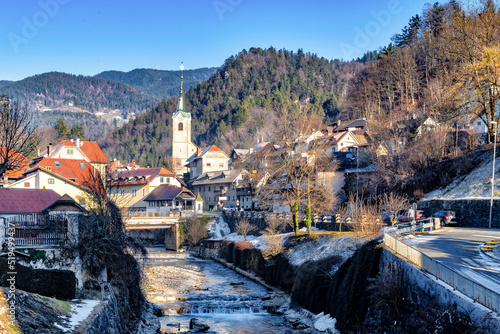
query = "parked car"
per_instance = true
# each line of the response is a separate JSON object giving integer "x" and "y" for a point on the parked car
{"x": 229, "y": 208}
{"x": 387, "y": 217}
{"x": 405, "y": 217}
{"x": 446, "y": 217}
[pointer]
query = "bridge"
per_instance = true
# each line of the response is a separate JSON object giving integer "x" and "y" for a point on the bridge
{"x": 146, "y": 225}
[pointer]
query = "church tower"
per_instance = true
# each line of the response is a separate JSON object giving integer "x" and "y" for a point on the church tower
{"x": 182, "y": 147}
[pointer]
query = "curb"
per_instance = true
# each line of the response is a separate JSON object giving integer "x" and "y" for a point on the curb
{"x": 482, "y": 252}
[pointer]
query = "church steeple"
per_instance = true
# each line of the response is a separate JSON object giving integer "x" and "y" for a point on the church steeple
{"x": 180, "y": 104}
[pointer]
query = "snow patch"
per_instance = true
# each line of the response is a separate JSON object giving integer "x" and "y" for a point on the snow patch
{"x": 218, "y": 229}
{"x": 475, "y": 185}
{"x": 323, "y": 323}
{"x": 322, "y": 248}
{"x": 79, "y": 312}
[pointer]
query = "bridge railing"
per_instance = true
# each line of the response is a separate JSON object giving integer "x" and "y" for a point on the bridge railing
{"x": 468, "y": 287}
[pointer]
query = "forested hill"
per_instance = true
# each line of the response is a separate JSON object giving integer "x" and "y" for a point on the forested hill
{"x": 234, "y": 108}
{"x": 60, "y": 90}
{"x": 157, "y": 82}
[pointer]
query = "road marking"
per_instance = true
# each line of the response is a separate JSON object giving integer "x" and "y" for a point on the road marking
{"x": 488, "y": 236}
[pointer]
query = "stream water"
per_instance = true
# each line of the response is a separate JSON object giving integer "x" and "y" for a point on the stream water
{"x": 186, "y": 287}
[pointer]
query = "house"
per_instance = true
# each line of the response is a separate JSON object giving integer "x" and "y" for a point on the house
{"x": 38, "y": 217}
{"x": 218, "y": 188}
{"x": 76, "y": 150}
{"x": 342, "y": 126}
{"x": 117, "y": 165}
{"x": 129, "y": 188}
{"x": 335, "y": 142}
{"x": 238, "y": 156}
{"x": 167, "y": 197}
{"x": 77, "y": 178}
{"x": 17, "y": 165}
{"x": 248, "y": 190}
{"x": 35, "y": 201}
{"x": 302, "y": 142}
{"x": 428, "y": 124}
{"x": 209, "y": 159}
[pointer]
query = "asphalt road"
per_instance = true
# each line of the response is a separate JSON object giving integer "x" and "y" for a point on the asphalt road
{"x": 457, "y": 248}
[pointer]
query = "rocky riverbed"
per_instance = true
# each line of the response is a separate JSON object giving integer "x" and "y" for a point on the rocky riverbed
{"x": 194, "y": 293}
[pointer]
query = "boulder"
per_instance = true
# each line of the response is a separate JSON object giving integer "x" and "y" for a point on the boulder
{"x": 195, "y": 323}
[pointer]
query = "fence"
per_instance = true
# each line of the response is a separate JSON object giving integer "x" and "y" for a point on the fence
{"x": 476, "y": 291}
{"x": 36, "y": 230}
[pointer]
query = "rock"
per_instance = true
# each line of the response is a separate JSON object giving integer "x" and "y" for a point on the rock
{"x": 195, "y": 323}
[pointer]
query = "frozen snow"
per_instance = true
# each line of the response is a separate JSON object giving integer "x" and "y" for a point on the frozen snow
{"x": 218, "y": 229}
{"x": 475, "y": 185}
{"x": 323, "y": 247}
{"x": 324, "y": 323}
{"x": 80, "y": 311}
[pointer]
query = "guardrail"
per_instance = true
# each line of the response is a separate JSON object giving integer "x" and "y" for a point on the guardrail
{"x": 476, "y": 291}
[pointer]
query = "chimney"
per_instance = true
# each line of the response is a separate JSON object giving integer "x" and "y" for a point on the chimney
{"x": 37, "y": 151}
{"x": 49, "y": 148}
{"x": 133, "y": 161}
{"x": 199, "y": 151}
{"x": 77, "y": 142}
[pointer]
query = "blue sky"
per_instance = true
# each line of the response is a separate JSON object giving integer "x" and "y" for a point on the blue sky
{"x": 89, "y": 36}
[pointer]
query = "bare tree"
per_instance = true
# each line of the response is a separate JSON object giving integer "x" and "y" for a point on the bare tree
{"x": 244, "y": 227}
{"x": 195, "y": 230}
{"x": 273, "y": 239}
{"x": 394, "y": 203}
{"x": 294, "y": 171}
{"x": 17, "y": 135}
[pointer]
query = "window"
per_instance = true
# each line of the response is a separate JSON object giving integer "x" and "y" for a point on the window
{"x": 57, "y": 164}
{"x": 122, "y": 192}
{"x": 209, "y": 164}
{"x": 26, "y": 184}
{"x": 134, "y": 192}
{"x": 168, "y": 180}
{"x": 143, "y": 191}
{"x": 221, "y": 164}
{"x": 69, "y": 151}
{"x": 208, "y": 188}
{"x": 82, "y": 165}
{"x": 161, "y": 180}
{"x": 180, "y": 127}
{"x": 215, "y": 199}
{"x": 50, "y": 181}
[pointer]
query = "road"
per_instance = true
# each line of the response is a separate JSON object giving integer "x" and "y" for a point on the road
{"x": 457, "y": 248}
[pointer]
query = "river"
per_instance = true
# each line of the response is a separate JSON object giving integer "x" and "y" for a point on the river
{"x": 187, "y": 287}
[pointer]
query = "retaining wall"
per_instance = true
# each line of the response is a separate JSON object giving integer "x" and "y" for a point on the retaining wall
{"x": 470, "y": 213}
{"x": 424, "y": 289}
{"x": 60, "y": 284}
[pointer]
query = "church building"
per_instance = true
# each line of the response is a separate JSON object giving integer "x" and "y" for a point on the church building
{"x": 182, "y": 146}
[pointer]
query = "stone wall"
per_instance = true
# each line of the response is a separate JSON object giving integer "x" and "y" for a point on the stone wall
{"x": 424, "y": 289}
{"x": 102, "y": 321}
{"x": 470, "y": 213}
{"x": 60, "y": 284}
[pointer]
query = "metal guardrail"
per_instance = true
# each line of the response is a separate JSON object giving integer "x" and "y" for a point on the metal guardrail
{"x": 476, "y": 291}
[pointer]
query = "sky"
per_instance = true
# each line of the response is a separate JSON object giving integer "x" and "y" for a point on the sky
{"x": 90, "y": 36}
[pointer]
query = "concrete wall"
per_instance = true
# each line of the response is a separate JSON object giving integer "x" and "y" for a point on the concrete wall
{"x": 470, "y": 213}
{"x": 424, "y": 289}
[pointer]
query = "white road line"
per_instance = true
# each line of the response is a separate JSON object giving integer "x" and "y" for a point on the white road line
{"x": 488, "y": 236}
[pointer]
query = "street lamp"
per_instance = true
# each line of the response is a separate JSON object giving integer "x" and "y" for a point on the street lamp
{"x": 493, "y": 173}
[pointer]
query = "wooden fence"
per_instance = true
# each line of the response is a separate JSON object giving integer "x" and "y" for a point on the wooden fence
{"x": 36, "y": 230}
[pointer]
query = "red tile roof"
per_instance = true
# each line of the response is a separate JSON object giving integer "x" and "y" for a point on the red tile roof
{"x": 92, "y": 150}
{"x": 70, "y": 169}
{"x": 137, "y": 176}
{"x": 14, "y": 200}
{"x": 19, "y": 160}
